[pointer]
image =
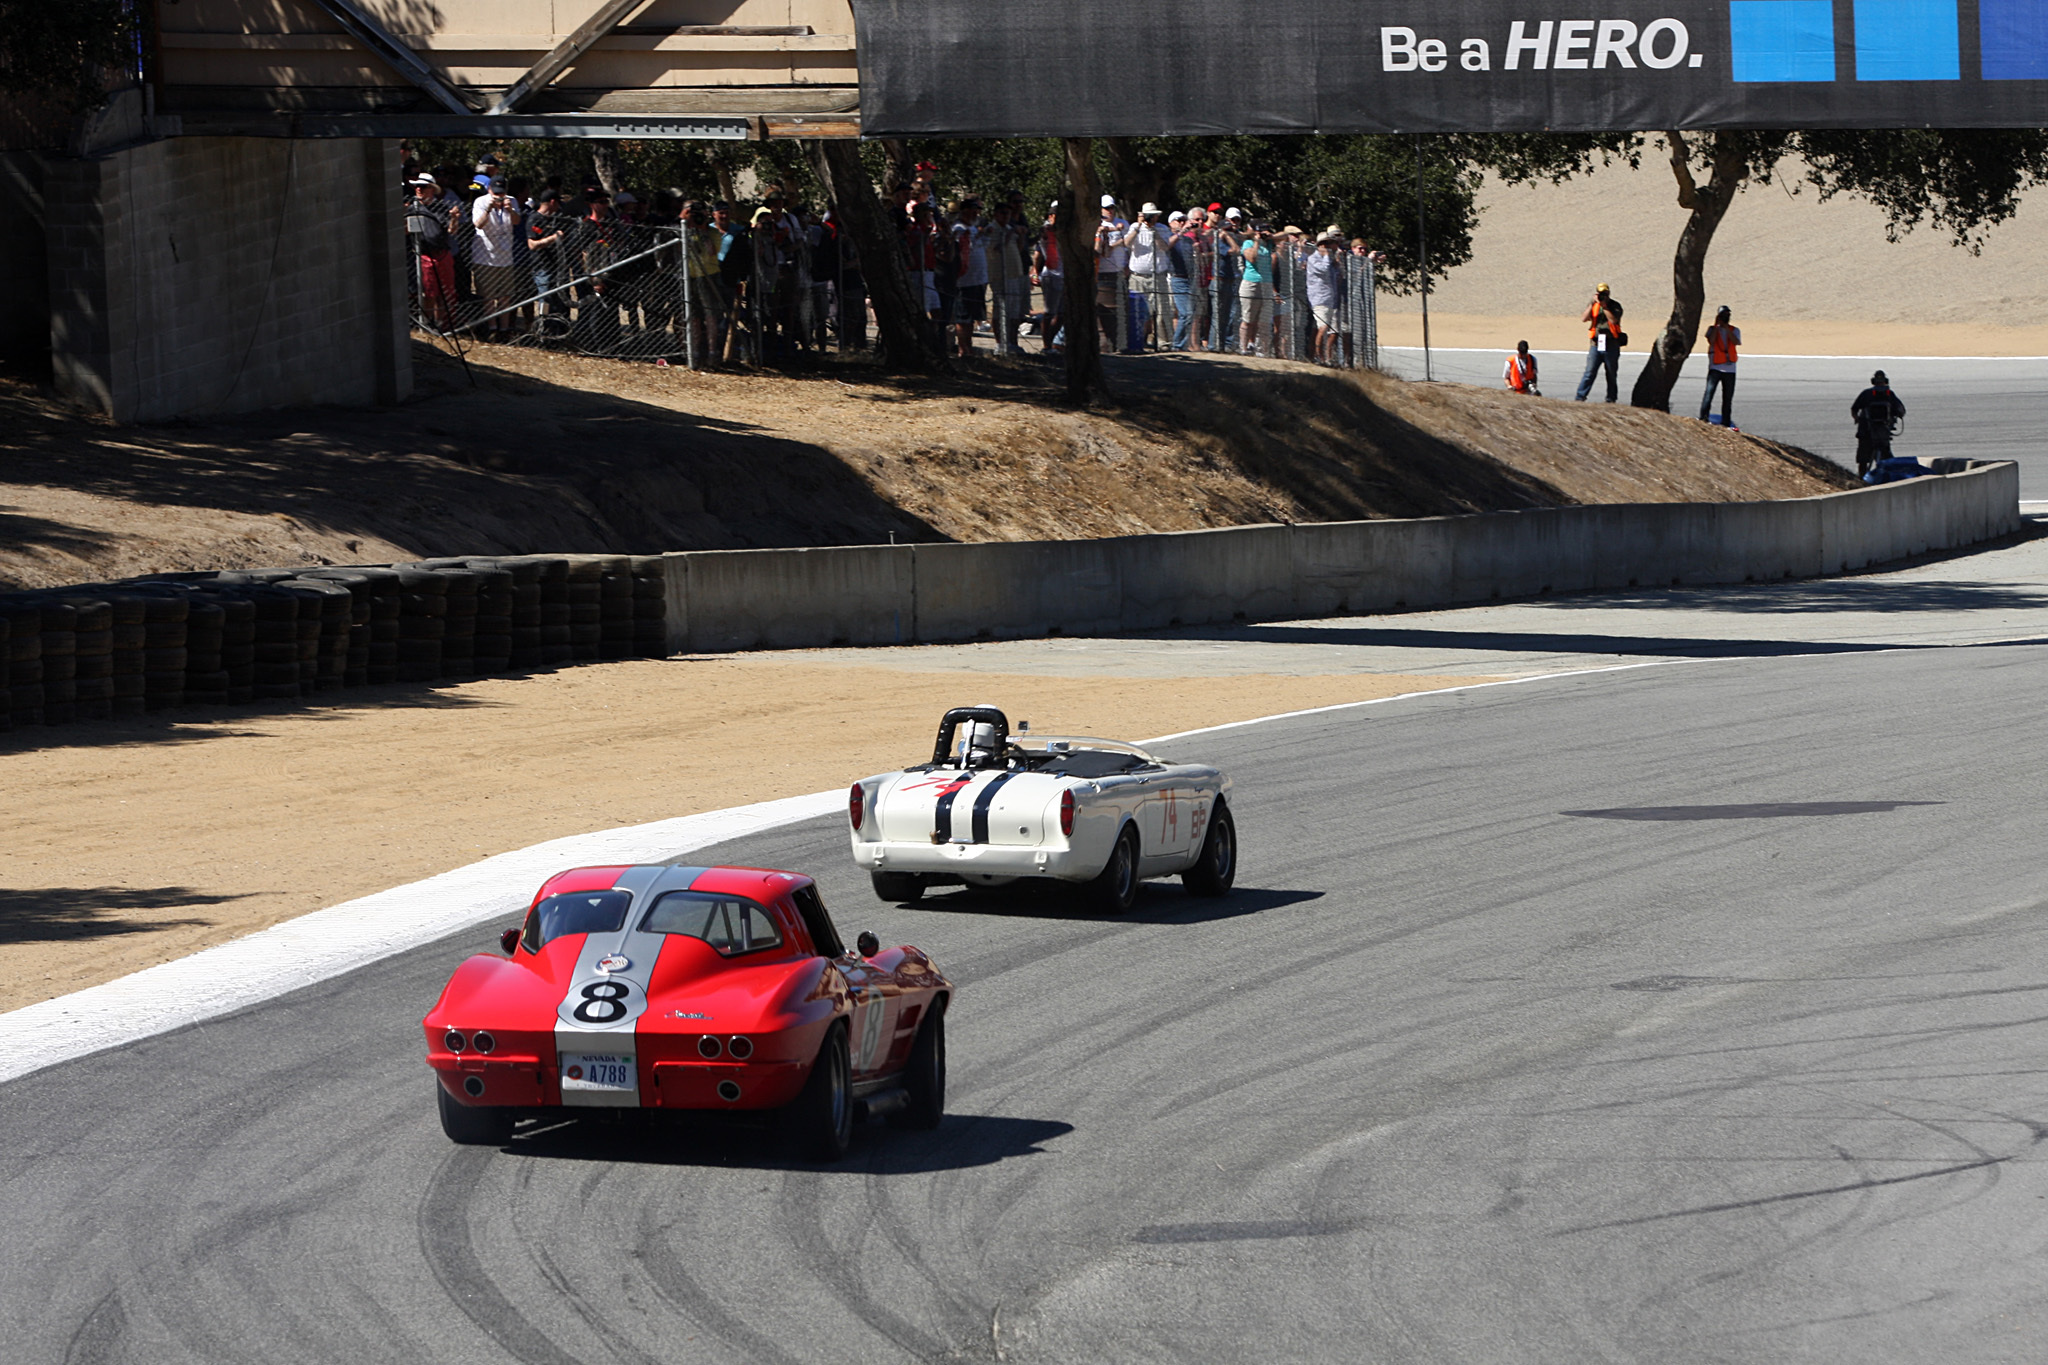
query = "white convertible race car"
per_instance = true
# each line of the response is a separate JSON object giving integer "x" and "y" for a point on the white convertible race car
{"x": 992, "y": 807}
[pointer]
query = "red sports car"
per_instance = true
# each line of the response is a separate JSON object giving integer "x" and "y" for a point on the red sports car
{"x": 689, "y": 988}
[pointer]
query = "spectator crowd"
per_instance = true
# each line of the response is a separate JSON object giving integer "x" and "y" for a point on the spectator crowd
{"x": 659, "y": 272}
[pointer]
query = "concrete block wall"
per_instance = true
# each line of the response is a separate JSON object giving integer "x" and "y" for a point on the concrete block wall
{"x": 205, "y": 275}
{"x": 900, "y": 594}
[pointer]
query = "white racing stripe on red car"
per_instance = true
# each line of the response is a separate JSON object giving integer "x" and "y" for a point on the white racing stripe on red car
{"x": 327, "y": 943}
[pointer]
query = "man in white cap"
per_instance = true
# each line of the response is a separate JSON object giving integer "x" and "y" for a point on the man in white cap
{"x": 1147, "y": 241}
{"x": 1111, "y": 255}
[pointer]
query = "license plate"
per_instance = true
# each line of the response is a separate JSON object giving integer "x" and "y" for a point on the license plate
{"x": 599, "y": 1071}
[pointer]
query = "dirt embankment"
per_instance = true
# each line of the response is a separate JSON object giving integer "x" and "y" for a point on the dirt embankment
{"x": 545, "y": 452}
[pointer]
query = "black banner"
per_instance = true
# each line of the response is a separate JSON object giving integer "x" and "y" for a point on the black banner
{"x": 1078, "y": 68}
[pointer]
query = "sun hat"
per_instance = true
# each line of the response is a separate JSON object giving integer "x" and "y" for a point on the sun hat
{"x": 1147, "y": 208}
{"x": 424, "y": 179}
{"x": 1293, "y": 231}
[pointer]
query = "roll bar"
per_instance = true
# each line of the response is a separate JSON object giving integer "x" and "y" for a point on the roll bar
{"x": 951, "y": 721}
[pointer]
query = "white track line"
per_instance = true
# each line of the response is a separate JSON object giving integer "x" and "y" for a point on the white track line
{"x": 1746, "y": 355}
{"x": 341, "y": 938}
{"x": 328, "y": 943}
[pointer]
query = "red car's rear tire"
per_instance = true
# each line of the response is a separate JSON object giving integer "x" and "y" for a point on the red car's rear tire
{"x": 925, "y": 1077}
{"x": 822, "y": 1115}
{"x": 473, "y": 1124}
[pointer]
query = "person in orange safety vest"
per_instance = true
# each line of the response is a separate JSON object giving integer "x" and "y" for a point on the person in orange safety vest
{"x": 1521, "y": 371}
{"x": 1722, "y": 342}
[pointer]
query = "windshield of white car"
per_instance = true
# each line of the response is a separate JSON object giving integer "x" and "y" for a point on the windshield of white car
{"x": 731, "y": 924}
{"x": 576, "y": 912}
{"x": 1081, "y": 756}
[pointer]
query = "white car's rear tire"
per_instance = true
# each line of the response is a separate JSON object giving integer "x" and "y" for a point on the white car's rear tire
{"x": 898, "y": 886}
{"x": 1216, "y": 869}
{"x": 1115, "y": 888}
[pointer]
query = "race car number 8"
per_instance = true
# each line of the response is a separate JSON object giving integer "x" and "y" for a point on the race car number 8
{"x": 603, "y": 1002}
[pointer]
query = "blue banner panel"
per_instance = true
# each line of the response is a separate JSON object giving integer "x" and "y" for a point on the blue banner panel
{"x": 1088, "y": 68}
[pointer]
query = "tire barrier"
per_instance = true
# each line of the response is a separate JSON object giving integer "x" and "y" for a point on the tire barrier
{"x": 97, "y": 651}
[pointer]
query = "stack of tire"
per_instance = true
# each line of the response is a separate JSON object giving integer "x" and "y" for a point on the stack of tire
{"x": 125, "y": 649}
{"x": 586, "y": 606}
{"x": 93, "y": 653}
{"x": 422, "y": 624}
{"x": 650, "y": 607}
{"x": 23, "y": 618}
{"x": 526, "y": 609}
{"x": 59, "y": 660}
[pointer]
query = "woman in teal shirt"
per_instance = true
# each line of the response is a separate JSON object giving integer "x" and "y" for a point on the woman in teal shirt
{"x": 1255, "y": 291}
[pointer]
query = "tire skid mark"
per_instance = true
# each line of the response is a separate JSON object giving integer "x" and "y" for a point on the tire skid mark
{"x": 600, "y": 1326}
{"x": 97, "y": 1340}
{"x": 445, "y": 1241}
{"x": 954, "y": 1306}
{"x": 681, "y": 1291}
{"x": 802, "y": 1215}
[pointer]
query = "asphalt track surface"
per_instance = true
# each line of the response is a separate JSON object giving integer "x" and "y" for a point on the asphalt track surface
{"x": 1984, "y": 409}
{"x": 1692, "y": 1011}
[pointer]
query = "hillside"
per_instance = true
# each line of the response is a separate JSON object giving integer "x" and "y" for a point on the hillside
{"x": 568, "y": 454}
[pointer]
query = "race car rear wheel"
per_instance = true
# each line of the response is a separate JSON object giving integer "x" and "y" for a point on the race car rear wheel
{"x": 898, "y": 886}
{"x": 822, "y": 1116}
{"x": 472, "y": 1124}
{"x": 1215, "y": 871}
{"x": 925, "y": 1077}
{"x": 1115, "y": 888}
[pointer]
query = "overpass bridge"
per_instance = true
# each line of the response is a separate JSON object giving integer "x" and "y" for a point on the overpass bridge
{"x": 507, "y": 68}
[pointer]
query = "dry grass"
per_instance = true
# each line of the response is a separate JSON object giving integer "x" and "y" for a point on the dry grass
{"x": 562, "y": 453}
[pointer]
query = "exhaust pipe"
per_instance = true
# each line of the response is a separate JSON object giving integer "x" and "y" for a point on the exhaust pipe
{"x": 473, "y": 1086}
{"x": 728, "y": 1091}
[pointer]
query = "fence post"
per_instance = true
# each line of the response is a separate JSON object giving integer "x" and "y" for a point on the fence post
{"x": 689, "y": 232}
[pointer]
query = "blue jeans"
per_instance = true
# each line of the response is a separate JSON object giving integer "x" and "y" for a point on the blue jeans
{"x": 1595, "y": 358}
{"x": 1183, "y": 312}
{"x": 1725, "y": 378}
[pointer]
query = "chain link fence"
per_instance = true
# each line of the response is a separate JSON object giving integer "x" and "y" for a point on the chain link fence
{"x": 691, "y": 295}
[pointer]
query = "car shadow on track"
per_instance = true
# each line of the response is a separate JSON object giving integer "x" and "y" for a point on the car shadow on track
{"x": 961, "y": 1141}
{"x": 1157, "y": 904}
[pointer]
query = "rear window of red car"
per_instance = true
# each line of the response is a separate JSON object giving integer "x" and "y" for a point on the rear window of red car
{"x": 576, "y": 912}
{"x": 731, "y": 924}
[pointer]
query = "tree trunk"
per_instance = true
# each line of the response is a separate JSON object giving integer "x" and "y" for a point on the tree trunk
{"x": 1730, "y": 161}
{"x": 908, "y": 340}
{"x": 726, "y": 190}
{"x": 898, "y": 153}
{"x": 1075, "y": 226}
{"x": 1138, "y": 181}
{"x": 604, "y": 158}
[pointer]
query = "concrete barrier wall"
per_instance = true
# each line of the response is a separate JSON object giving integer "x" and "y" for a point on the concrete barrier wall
{"x": 888, "y": 594}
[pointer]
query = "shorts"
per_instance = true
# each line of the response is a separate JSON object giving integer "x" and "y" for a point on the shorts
{"x": 921, "y": 283}
{"x": 497, "y": 281}
{"x": 1254, "y": 302}
{"x": 437, "y": 276}
{"x": 970, "y": 304}
{"x": 1326, "y": 315}
{"x": 1108, "y": 290}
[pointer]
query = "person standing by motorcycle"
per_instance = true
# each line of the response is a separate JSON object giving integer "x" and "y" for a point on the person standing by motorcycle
{"x": 1877, "y": 411}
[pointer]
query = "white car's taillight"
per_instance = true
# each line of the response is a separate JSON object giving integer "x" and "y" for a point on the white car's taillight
{"x": 1067, "y": 813}
{"x": 856, "y": 804}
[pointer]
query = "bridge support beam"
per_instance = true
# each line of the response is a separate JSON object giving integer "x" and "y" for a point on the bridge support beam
{"x": 205, "y": 275}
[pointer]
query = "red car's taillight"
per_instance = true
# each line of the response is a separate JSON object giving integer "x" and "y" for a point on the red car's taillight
{"x": 856, "y": 804}
{"x": 1067, "y": 813}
